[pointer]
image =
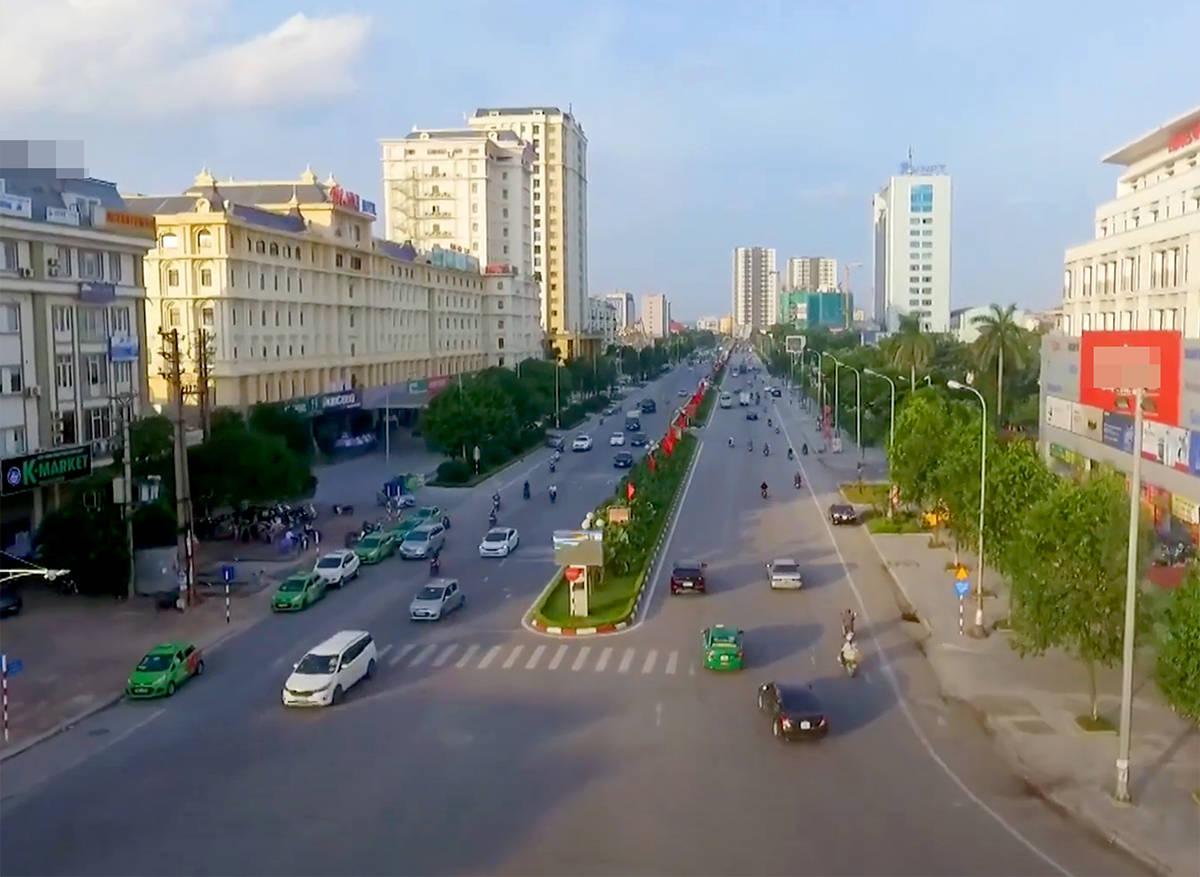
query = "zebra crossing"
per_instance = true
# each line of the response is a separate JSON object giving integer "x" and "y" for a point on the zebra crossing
{"x": 517, "y": 657}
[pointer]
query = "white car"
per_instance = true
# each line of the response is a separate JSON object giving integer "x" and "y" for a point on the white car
{"x": 337, "y": 567}
{"x": 582, "y": 443}
{"x": 783, "y": 573}
{"x": 329, "y": 670}
{"x": 617, "y": 439}
{"x": 499, "y": 542}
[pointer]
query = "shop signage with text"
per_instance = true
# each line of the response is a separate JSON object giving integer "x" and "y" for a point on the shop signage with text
{"x": 345, "y": 198}
{"x": 1112, "y": 360}
{"x": 47, "y": 467}
{"x": 1184, "y": 136}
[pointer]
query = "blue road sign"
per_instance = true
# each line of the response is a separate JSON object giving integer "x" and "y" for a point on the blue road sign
{"x": 227, "y": 573}
{"x": 962, "y": 587}
{"x": 13, "y": 666}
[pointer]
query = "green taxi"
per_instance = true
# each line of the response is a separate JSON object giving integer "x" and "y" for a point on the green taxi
{"x": 722, "y": 648}
{"x": 298, "y": 591}
{"x": 416, "y": 518}
{"x": 374, "y": 547}
{"x": 163, "y": 669}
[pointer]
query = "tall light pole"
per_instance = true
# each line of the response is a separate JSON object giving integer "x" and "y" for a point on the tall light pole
{"x": 857, "y": 405}
{"x": 557, "y": 421}
{"x": 978, "y": 631}
{"x": 835, "y": 389}
{"x": 817, "y": 354}
{"x": 1135, "y": 490}
{"x": 892, "y": 407}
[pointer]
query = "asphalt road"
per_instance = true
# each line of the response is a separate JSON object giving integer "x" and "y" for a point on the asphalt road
{"x": 482, "y": 748}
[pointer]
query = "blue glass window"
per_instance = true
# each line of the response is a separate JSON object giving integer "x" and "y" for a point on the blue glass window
{"x": 921, "y": 198}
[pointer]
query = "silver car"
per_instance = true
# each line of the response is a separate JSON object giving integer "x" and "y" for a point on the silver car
{"x": 438, "y": 598}
{"x": 424, "y": 541}
{"x": 784, "y": 573}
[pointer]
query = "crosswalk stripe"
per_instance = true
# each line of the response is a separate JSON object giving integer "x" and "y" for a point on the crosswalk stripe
{"x": 423, "y": 655}
{"x": 512, "y": 657}
{"x": 626, "y": 660}
{"x": 580, "y": 658}
{"x": 672, "y": 662}
{"x": 650, "y": 659}
{"x": 466, "y": 657}
{"x": 558, "y": 656}
{"x": 535, "y": 657}
{"x": 399, "y": 656}
{"x": 692, "y": 670}
{"x": 489, "y": 657}
{"x": 383, "y": 652}
{"x": 445, "y": 655}
{"x": 605, "y": 654}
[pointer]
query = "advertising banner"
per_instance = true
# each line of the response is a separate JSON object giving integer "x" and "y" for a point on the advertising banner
{"x": 1165, "y": 444}
{"x": 579, "y": 547}
{"x": 1058, "y": 413}
{"x": 1109, "y": 360}
{"x": 47, "y": 467}
{"x": 1087, "y": 420}
{"x": 1117, "y": 432}
{"x": 1183, "y": 509}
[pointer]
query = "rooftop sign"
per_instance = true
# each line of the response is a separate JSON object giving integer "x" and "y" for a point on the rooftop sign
{"x": 345, "y": 198}
{"x": 1184, "y": 136}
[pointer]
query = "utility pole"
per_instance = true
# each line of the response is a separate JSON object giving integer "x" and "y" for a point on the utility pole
{"x": 184, "y": 543}
{"x": 203, "y": 391}
{"x": 127, "y": 455}
{"x": 1121, "y": 792}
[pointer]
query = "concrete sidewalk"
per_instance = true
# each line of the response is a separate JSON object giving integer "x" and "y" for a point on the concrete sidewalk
{"x": 1030, "y": 705}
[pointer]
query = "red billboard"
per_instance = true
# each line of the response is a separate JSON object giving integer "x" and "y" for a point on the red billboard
{"x": 1112, "y": 360}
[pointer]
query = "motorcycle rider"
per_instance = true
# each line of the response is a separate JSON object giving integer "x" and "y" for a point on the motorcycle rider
{"x": 766, "y": 449}
{"x": 492, "y": 518}
{"x": 750, "y": 445}
{"x": 435, "y": 564}
{"x": 769, "y": 423}
{"x": 553, "y": 493}
{"x": 496, "y": 501}
{"x": 731, "y": 441}
{"x": 763, "y": 487}
{"x": 804, "y": 449}
{"x": 798, "y": 481}
{"x": 791, "y": 453}
{"x": 849, "y": 651}
{"x": 848, "y": 616}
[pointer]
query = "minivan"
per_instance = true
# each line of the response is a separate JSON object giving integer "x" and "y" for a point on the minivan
{"x": 322, "y": 677}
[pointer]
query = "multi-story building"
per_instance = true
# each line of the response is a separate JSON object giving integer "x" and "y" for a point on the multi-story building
{"x": 755, "y": 288}
{"x": 1136, "y": 273}
{"x": 811, "y": 273}
{"x": 297, "y": 302}
{"x": 558, "y": 215}
{"x": 72, "y": 337}
{"x": 912, "y": 248}
{"x": 709, "y": 324}
{"x": 727, "y": 324}
{"x": 603, "y": 319}
{"x": 963, "y": 324}
{"x": 626, "y": 310}
{"x": 656, "y": 315}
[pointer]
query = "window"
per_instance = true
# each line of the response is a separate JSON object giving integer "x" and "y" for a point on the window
{"x": 274, "y": 249}
{"x": 64, "y": 370}
{"x": 10, "y": 379}
{"x": 206, "y": 277}
{"x": 95, "y": 365}
{"x": 8, "y": 255}
{"x": 504, "y": 193}
{"x": 93, "y": 324}
{"x": 1087, "y": 279}
{"x": 173, "y": 318}
{"x": 62, "y": 317}
{"x": 123, "y": 373}
{"x": 10, "y": 318}
{"x": 356, "y": 262}
{"x": 173, "y": 277}
{"x": 114, "y": 267}
{"x": 1156, "y": 269}
{"x": 14, "y": 441}
{"x": 90, "y": 265}
{"x": 204, "y": 239}
{"x": 99, "y": 423}
{"x": 1170, "y": 266}
{"x": 337, "y": 259}
{"x": 260, "y": 246}
{"x": 1067, "y": 283}
{"x": 206, "y": 316}
{"x": 1127, "y": 274}
{"x": 169, "y": 241}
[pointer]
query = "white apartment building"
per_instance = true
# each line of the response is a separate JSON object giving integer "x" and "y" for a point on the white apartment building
{"x": 72, "y": 337}
{"x": 603, "y": 319}
{"x": 812, "y": 274}
{"x": 912, "y": 216}
{"x": 296, "y": 300}
{"x": 1138, "y": 272}
{"x": 656, "y": 315}
{"x": 964, "y": 328}
{"x": 755, "y": 288}
{"x": 558, "y": 212}
{"x": 626, "y": 310}
{"x": 709, "y": 324}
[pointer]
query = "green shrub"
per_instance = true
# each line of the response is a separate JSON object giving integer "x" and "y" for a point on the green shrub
{"x": 454, "y": 472}
{"x": 1179, "y": 648}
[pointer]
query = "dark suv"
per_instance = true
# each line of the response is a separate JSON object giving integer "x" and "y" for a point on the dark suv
{"x": 688, "y": 575}
{"x": 648, "y": 406}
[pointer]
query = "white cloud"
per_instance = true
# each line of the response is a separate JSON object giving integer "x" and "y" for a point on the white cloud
{"x": 157, "y": 57}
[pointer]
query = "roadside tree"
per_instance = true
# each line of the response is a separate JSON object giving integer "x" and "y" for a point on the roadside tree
{"x": 1178, "y": 666}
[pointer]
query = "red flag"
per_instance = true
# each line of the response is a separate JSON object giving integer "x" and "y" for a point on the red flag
{"x": 653, "y": 462}
{"x": 630, "y": 490}
{"x": 668, "y": 444}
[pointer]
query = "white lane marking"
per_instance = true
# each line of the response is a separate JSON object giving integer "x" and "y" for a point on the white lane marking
{"x": 658, "y": 714}
{"x": 489, "y": 657}
{"x": 423, "y": 655}
{"x": 535, "y": 657}
{"x": 580, "y": 658}
{"x": 445, "y": 655}
{"x": 512, "y": 657}
{"x": 672, "y": 662}
{"x": 691, "y": 669}
{"x": 558, "y": 656}
{"x": 399, "y": 656}
{"x": 626, "y": 660}
{"x": 890, "y": 673}
{"x": 466, "y": 657}
{"x": 383, "y": 651}
{"x": 648, "y": 666}
{"x": 604, "y": 656}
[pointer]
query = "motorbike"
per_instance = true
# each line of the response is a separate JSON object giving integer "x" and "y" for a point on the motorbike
{"x": 731, "y": 441}
{"x": 849, "y": 655}
{"x": 804, "y": 450}
{"x": 766, "y": 450}
{"x": 496, "y": 502}
{"x": 553, "y": 465}
{"x": 791, "y": 454}
{"x": 553, "y": 495}
{"x": 798, "y": 481}
{"x": 750, "y": 446}
{"x": 764, "y": 492}
{"x": 435, "y": 564}
{"x": 492, "y": 518}
{"x": 777, "y": 430}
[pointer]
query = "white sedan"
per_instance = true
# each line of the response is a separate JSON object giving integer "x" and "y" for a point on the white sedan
{"x": 582, "y": 443}
{"x": 337, "y": 567}
{"x": 499, "y": 542}
{"x": 617, "y": 439}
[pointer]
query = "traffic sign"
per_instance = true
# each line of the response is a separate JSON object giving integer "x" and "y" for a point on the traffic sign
{"x": 962, "y": 587}
{"x": 961, "y": 573}
{"x": 227, "y": 573}
{"x": 13, "y": 666}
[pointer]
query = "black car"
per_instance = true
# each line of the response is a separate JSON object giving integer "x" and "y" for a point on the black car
{"x": 776, "y": 392}
{"x": 637, "y": 440}
{"x": 688, "y": 575}
{"x": 648, "y": 406}
{"x": 10, "y": 601}
{"x": 840, "y": 513}
{"x": 795, "y": 711}
{"x": 623, "y": 460}
{"x": 555, "y": 441}
{"x": 752, "y": 415}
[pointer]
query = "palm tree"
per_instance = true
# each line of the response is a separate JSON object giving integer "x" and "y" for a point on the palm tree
{"x": 910, "y": 348}
{"x": 1000, "y": 338}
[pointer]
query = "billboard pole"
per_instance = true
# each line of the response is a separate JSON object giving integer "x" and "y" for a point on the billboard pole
{"x": 1135, "y": 488}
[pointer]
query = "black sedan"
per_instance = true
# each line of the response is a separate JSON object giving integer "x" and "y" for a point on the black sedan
{"x": 841, "y": 513}
{"x": 637, "y": 440}
{"x": 795, "y": 711}
{"x": 752, "y": 415}
{"x": 623, "y": 460}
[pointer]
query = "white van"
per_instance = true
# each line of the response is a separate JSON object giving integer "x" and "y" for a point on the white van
{"x": 726, "y": 400}
{"x": 322, "y": 677}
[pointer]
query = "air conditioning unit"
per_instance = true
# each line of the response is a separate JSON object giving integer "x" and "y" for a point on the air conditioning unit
{"x": 25, "y": 272}
{"x": 33, "y": 391}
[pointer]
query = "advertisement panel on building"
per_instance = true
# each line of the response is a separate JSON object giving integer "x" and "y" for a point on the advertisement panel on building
{"x": 1087, "y": 421}
{"x": 1107, "y": 359}
{"x": 47, "y": 467}
{"x": 1060, "y": 367}
{"x": 1183, "y": 509}
{"x": 1117, "y": 432}
{"x": 1165, "y": 444}
{"x": 1058, "y": 413}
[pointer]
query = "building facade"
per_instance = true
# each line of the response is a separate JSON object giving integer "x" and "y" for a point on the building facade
{"x": 558, "y": 213}
{"x": 755, "y": 288}
{"x": 72, "y": 337}
{"x": 709, "y": 324}
{"x": 912, "y": 248}
{"x": 626, "y": 310}
{"x": 1138, "y": 271}
{"x": 656, "y": 315}
{"x": 965, "y": 329}
{"x": 811, "y": 273}
{"x": 283, "y": 285}
{"x": 604, "y": 319}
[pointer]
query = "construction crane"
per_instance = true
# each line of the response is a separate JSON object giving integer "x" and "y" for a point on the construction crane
{"x": 847, "y": 305}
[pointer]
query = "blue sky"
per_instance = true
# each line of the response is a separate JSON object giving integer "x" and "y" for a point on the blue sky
{"x": 710, "y": 125}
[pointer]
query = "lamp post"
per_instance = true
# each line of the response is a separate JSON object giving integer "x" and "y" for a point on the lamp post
{"x": 978, "y": 631}
{"x": 821, "y": 374}
{"x": 857, "y": 405}
{"x": 557, "y": 421}
{"x": 817, "y": 354}
{"x": 892, "y": 407}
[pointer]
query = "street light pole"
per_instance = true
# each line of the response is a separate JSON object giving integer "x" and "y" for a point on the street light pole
{"x": 892, "y": 407}
{"x": 978, "y": 631}
{"x": 557, "y": 421}
{"x": 821, "y": 376}
{"x": 1135, "y": 489}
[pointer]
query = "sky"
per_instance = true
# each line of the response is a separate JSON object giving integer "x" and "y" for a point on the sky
{"x": 710, "y": 125}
